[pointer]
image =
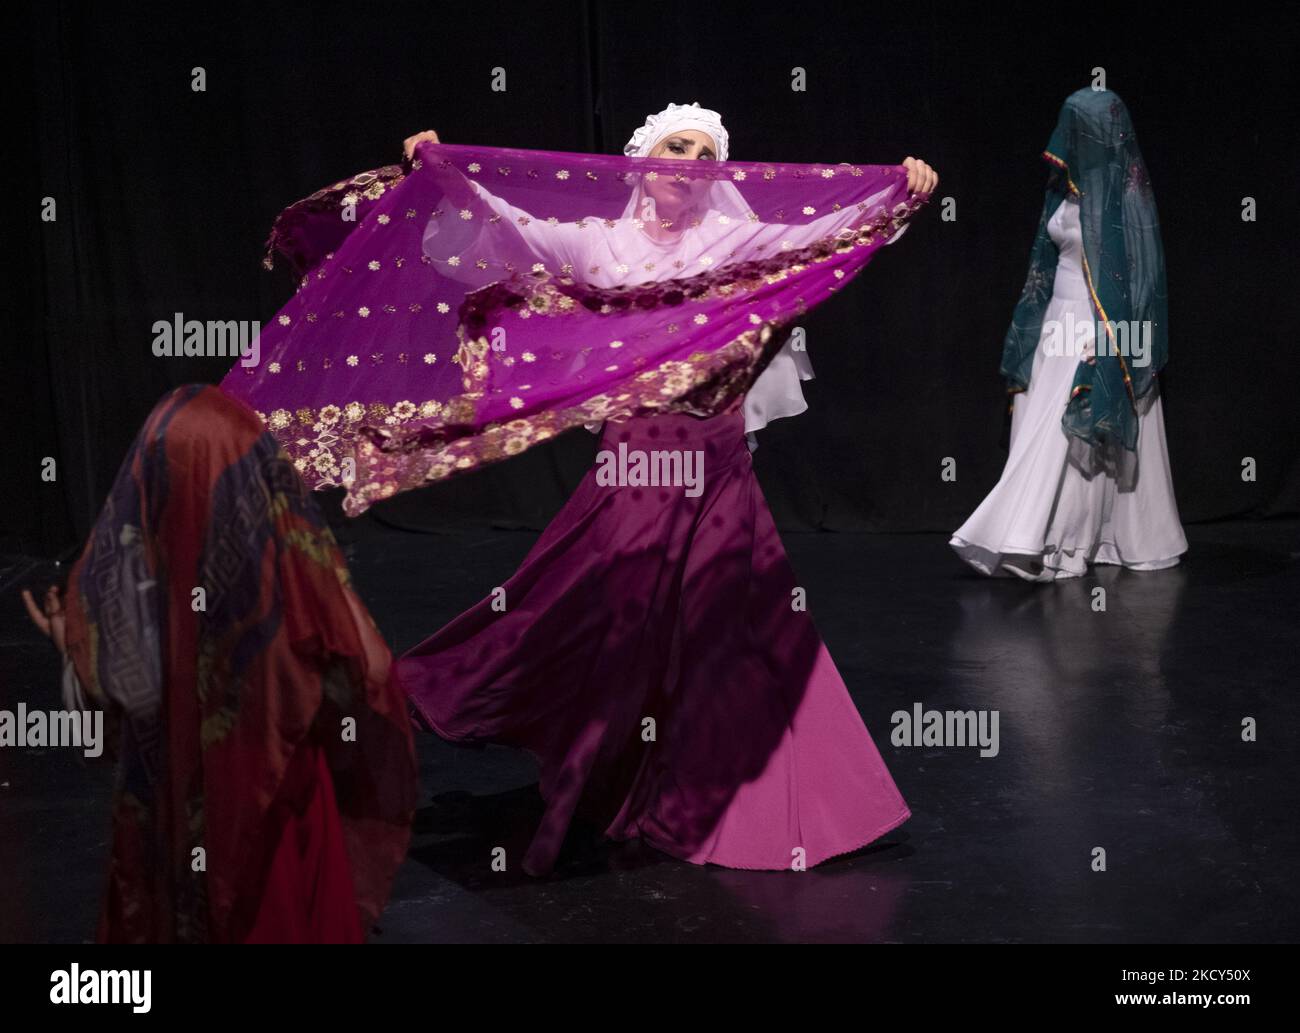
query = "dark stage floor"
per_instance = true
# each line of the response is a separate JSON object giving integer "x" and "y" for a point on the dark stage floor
{"x": 1119, "y": 730}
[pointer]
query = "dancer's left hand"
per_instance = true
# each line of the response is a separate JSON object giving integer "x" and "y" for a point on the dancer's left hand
{"x": 921, "y": 179}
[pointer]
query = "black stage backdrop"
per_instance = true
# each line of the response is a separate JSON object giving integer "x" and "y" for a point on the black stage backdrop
{"x": 165, "y": 196}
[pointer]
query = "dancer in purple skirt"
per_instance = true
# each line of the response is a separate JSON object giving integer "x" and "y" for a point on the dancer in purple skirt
{"x": 652, "y": 652}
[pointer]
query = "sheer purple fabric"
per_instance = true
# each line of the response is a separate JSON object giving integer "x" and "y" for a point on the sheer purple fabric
{"x": 478, "y": 301}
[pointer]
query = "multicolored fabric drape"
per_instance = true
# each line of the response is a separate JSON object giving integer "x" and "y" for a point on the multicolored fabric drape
{"x": 210, "y": 615}
{"x": 1094, "y": 155}
{"x": 463, "y": 308}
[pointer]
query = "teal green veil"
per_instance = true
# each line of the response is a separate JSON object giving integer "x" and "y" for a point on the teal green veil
{"x": 1094, "y": 155}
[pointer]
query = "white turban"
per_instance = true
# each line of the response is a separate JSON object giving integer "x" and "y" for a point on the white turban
{"x": 673, "y": 119}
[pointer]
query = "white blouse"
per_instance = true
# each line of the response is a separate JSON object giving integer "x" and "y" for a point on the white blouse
{"x": 620, "y": 244}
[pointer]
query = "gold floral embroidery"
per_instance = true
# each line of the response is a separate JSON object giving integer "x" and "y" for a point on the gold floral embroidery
{"x": 697, "y": 386}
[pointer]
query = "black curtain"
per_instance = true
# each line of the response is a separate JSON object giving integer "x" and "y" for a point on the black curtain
{"x": 164, "y": 196}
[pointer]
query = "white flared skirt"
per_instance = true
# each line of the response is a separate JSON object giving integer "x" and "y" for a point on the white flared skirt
{"x": 1060, "y": 503}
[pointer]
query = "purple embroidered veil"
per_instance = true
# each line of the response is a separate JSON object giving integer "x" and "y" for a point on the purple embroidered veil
{"x": 464, "y": 307}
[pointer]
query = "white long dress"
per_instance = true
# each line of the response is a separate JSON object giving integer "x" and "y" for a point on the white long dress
{"x": 1060, "y": 503}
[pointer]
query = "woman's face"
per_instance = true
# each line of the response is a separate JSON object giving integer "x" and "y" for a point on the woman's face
{"x": 671, "y": 196}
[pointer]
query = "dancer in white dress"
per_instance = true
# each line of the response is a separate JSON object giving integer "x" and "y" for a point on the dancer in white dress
{"x": 1074, "y": 491}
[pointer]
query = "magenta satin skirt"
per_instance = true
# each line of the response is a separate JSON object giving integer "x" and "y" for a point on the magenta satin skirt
{"x": 650, "y": 658}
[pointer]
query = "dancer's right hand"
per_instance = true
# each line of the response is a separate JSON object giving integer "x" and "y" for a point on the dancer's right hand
{"x": 409, "y": 143}
{"x": 50, "y": 621}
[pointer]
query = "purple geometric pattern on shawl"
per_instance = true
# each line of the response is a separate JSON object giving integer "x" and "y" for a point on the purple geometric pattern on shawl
{"x": 462, "y": 308}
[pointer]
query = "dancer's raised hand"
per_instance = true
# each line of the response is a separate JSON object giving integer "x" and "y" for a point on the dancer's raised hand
{"x": 51, "y": 620}
{"x": 921, "y": 179}
{"x": 408, "y": 145}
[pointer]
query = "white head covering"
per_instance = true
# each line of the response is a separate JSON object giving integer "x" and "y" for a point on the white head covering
{"x": 673, "y": 119}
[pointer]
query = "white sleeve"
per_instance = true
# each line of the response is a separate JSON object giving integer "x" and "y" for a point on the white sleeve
{"x": 795, "y": 235}
{"x": 777, "y": 394}
{"x": 74, "y": 696}
{"x": 491, "y": 225}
